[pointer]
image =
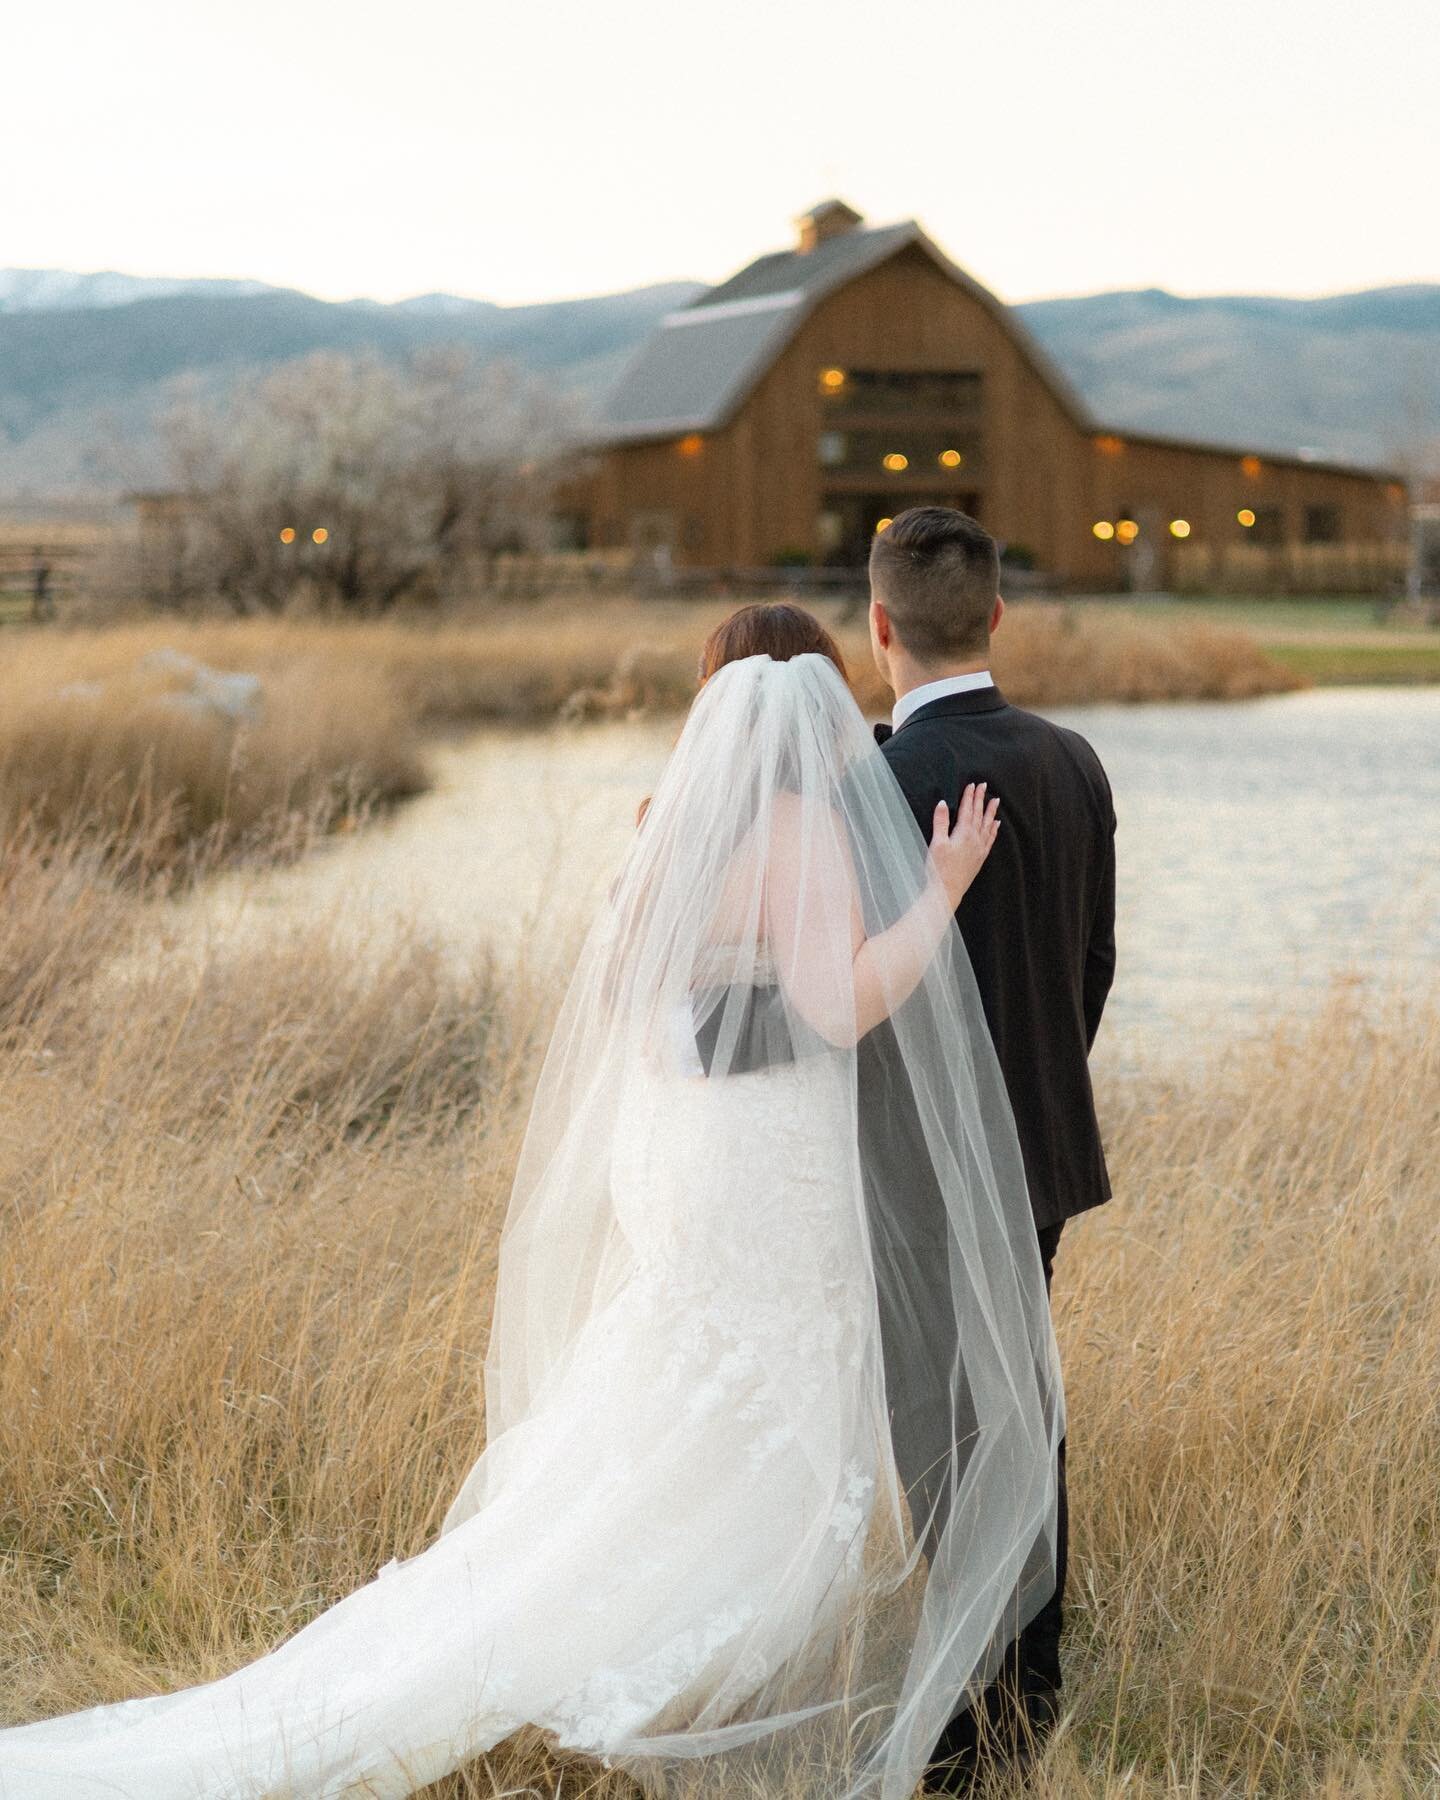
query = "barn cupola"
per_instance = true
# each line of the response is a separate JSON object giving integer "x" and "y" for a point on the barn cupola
{"x": 831, "y": 218}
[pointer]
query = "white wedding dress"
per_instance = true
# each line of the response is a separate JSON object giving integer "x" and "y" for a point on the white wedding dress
{"x": 687, "y": 1547}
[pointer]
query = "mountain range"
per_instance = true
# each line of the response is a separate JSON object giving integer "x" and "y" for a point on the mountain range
{"x": 87, "y": 360}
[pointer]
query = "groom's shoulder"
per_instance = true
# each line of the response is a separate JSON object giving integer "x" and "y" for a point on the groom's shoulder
{"x": 1077, "y": 748}
{"x": 928, "y": 743}
{"x": 1035, "y": 730}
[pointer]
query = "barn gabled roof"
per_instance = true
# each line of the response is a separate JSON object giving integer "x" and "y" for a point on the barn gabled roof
{"x": 703, "y": 360}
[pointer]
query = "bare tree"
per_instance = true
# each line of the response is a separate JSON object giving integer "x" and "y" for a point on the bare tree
{"x": 352, "y": 483}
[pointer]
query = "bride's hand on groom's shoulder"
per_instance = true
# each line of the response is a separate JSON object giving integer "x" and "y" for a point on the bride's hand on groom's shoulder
{"x": 957, "y": 851}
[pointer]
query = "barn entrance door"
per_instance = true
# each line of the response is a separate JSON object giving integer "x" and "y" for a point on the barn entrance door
{"x": 848, "y": 520}
{"x": 653, "y": 539}
{"x": 1146, "y": 559}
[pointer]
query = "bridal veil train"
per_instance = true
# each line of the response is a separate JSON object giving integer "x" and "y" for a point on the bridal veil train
{"x": 772, "y": 1392}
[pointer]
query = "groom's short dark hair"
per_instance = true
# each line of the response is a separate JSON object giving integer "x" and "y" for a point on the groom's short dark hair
{"x": 936, "y": 571}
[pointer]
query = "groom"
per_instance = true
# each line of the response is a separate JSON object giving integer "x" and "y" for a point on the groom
{"x": 1039, "y": 927}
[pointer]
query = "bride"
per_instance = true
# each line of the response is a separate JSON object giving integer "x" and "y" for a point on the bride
{"x": 772, "y": 1392}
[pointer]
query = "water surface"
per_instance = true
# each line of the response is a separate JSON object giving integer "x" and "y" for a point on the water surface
{"x": 1265, "y": 848}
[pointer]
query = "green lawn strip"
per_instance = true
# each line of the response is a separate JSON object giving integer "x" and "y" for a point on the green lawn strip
{"x": 1335, "y": 665}
{"x": 1262, "y": 616}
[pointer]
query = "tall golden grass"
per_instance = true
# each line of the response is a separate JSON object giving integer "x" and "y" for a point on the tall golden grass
{"x": 346, "y": 706}
{"x": 250, "y": 1217}
{"x": 89, "y": 740}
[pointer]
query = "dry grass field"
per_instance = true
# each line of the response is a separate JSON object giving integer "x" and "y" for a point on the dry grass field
{"x": 250, "y": 1211}
{"x": 347, "y": 706}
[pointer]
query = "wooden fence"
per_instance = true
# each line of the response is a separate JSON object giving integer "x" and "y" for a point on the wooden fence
{"x": 45, "y": 566}
{"x": 1289, "y": 568}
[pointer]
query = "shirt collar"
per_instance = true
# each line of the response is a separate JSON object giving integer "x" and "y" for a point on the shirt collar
{"x": 938, "y": 690}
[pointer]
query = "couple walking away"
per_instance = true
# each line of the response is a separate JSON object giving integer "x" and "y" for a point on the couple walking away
{"x": 773, "y": 1500}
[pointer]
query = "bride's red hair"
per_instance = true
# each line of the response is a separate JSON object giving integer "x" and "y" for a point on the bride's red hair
{"x": 768, "y": 628}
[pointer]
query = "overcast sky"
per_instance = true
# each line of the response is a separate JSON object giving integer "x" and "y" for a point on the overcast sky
{"x": 539, "y": 151}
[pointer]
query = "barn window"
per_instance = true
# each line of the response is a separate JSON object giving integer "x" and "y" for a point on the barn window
{"x": 1269, "y": 525}
{"x": 569, "y": 531}
{"x": 943, "y": 393}
{"x": 1322, "y": 524}
{"x": 933, "y": 453}
{"x": 1264, "y": 524}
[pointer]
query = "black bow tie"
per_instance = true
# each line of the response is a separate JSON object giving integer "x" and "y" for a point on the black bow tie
{"x": 883, "y": 733}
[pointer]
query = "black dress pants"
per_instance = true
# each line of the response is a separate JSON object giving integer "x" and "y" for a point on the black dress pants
{"x": 1021, "y": 1703}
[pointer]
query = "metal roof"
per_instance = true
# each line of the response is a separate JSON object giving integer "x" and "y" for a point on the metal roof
{"x": 833, "y": 261}
{"x": 702, "y": 360}
{"x": 696, "y": 367}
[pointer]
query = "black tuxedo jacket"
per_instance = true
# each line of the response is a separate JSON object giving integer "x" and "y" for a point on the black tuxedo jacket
{"x": 1038, "y": 923}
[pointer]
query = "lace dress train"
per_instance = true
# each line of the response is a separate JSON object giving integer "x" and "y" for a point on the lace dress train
{"x": 698, "y": 1455}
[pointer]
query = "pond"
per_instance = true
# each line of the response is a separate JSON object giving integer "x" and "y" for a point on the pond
{"x": 1266, "y": 847}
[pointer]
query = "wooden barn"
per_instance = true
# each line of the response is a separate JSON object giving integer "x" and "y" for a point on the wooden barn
{"x": 784, "y": 416}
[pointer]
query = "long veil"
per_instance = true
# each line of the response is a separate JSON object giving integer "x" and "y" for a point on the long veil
{"x": 772, "y": 1389}
{"x": 725, "y": 976}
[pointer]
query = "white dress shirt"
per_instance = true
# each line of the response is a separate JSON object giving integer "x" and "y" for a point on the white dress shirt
{"x": 938, "y": 690}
